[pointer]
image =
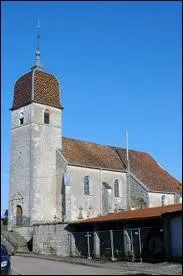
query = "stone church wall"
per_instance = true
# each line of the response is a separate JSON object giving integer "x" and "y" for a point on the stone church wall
{"x": 61, "y": 167}
{"x": 20, "y": 181}
{"x": 91, "y": 205}
{"x": 141, "y": 198}
{"x": 51, "y": 239}
{"x": 45, "y": 139}
{"x": 155, "y": 199}
{"x": 139, "y": 195}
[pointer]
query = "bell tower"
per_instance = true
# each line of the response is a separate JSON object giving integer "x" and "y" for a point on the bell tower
{"x": 36, "y": 133}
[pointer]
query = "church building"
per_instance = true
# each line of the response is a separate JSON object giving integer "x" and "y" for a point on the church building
{"x": 53, "y": 177}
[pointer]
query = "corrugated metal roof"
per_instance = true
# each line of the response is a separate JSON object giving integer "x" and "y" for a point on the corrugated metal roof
{"x": 139, "y": 214}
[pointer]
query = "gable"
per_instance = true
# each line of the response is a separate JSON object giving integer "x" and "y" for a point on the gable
{"x": 17, "y": 196}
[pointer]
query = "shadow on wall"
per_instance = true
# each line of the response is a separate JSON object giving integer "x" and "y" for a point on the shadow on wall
{"x": 30, "y": 245}
{"x": 81, "y": 244}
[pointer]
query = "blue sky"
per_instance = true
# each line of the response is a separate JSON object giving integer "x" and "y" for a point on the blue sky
{"x": 120, "y": 67}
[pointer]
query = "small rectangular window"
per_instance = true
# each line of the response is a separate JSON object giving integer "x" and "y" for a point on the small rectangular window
{"x": 21, "y": 121}
{"x": 46, "y": 117}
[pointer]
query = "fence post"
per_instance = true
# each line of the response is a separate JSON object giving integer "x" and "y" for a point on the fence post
{"x": 88, "y": 241}
{"x": 132, "y": 247}
{"x": 140, "y": 248}
{"x": 112, "y": 245}
{"x": 96, "y": 244}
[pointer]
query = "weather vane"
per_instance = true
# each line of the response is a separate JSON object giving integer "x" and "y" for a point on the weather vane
{"x": 38, "y": 61}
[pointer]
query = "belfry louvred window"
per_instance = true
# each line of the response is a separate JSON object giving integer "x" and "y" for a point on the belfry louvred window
{"x": 47, "y": 117}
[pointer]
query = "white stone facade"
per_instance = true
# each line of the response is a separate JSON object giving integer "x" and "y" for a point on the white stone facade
{"x": 155, "y": 199}
{"x": 33, "y": 163}
{"x": 91, "y": 205}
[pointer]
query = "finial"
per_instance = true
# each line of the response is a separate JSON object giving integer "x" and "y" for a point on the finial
{"x": 38, "y": 61}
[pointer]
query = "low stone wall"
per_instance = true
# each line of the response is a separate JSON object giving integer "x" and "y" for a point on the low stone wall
{"x": 51, "y": 239}
{"x": 25, "y": 231}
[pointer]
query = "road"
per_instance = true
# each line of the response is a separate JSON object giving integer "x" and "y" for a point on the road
{"x": 38, "y": 266}
{"x": 34, "y": 265}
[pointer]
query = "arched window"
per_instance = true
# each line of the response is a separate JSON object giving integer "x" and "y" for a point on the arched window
{"x": 47, "y": 117}
{"x": 163, "y": 199}
{"x": 87, "y": 188}
{"x": 19, "y": 216}
{"x": 116, "y": 188}
{"x": 21, "y": 118}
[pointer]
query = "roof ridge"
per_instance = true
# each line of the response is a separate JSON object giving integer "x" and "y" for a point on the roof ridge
{"x": 89, "y": 142}
{"x": 103, "y": 145}
{"x": 132, "y": 150}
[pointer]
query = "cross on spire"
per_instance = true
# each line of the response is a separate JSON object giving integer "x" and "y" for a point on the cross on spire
{"x": 38, "y": 61}
{"x": 38, "y": 33}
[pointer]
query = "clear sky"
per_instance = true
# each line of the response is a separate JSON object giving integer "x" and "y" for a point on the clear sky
{"x": 119, "y": 64}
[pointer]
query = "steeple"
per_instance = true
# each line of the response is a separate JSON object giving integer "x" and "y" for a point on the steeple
{"x": 37, "y": 85}
{"x": 38, "y": 65}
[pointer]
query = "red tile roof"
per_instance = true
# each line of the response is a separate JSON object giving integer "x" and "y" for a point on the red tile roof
{"x": 143, "y": 166}
{"x": 146, "y": 169}
{"x": 147, "y": 213}
{"x": 40, "y": 87}
{"x": 91, "y": 154}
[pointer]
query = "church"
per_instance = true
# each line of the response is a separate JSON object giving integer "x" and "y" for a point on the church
{"x": 55, "y": 178}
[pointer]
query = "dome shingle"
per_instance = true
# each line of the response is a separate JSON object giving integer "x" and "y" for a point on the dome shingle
{"x": 36, "y": 86}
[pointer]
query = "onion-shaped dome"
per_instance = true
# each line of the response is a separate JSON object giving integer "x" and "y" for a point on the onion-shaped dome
{"x": 36, "y": 86}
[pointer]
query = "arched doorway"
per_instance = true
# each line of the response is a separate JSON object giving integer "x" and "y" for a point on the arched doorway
{"x": 19, "y": 216}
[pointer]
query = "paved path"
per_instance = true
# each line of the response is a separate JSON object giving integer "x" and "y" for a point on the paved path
{"x": 37, "y": 266}
{"x": 52, "y": 265}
